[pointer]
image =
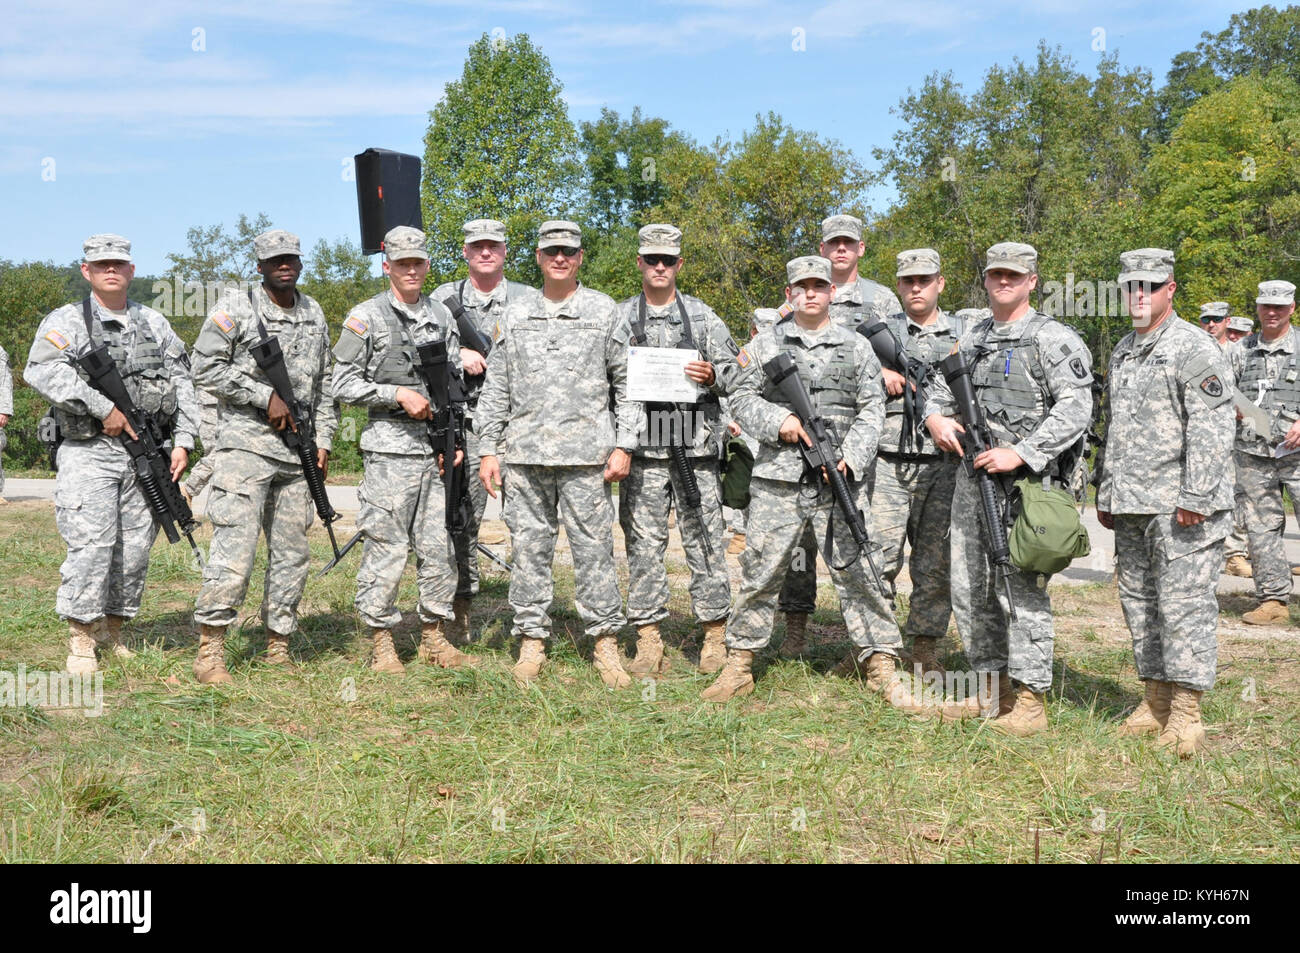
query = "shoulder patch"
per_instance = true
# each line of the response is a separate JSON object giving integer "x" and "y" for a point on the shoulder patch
{"x": 743, "y": 358}
{"x": 224, "y": 321}
{"x": 1212, "y": 385}
{"x": 1076, "y": 365}
{"x": 57, "y": 339}
{"x": 356, "y": 326}
{"x": 732, "y": 347}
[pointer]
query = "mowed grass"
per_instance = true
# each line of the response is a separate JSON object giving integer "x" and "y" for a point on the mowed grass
{"x": 330, "y": 762}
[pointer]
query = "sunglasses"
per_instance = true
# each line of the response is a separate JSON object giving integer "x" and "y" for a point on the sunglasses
{"x": 1211, "y": 319}
{"x": 565, "y": 250}
{"x": 666, "y": 260}
{"x": 1132, "y": 286}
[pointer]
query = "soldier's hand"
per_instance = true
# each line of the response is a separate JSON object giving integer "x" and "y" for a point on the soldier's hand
{"x": 4, "y": 420}
{"x": 944, "y": 431}
{"x": 1105, "y": 519}
{"x": 277, "y": 412}
{"x": 999, "y": 460}
{"x": 618, "y": 465}
{"x": 1188, "y": 518}
{"x": 894, "y": 382}
{"x": 456, "y": 461}
{"x": 323, "y": 462}
{"x": 842, "y": 466}
{"x": 792, "y": 431}
{"x": 1292, "y": 439}
{"x": 701, "y": 372}
{"x": 472, "y": 361}
{"x": 733, "y": 428}
{"x": 116, "y": 422}
{"x": 414, "y": 403}
{"x": 489, "y": 474}
{"x": 180, "y": 460}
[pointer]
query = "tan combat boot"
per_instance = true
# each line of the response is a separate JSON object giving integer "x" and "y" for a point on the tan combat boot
{"x": 1152, "y": 712}
{"x": 1184, "y": 728}
{"x": 649, "y": 651}
{"x": 210, "y": 666}
{"x": 737, "y": 544}
{"x": 955, "y": 709}
{"x": 277, "y": 649}
{"x": 436, "y": 650}
{"x": 458, "y": 628}
{"x": 851, "y": 666}
{"x": 1027, "y": 717}
{"x": 882, "y": 678}
{"x": 110, "y": 635}
{"x": 1238, "y": 566}
{"x": 81, "y": 646}
{"x": 532, "y": 656}
{"x": 925, "y": 653}
{"x": 796, "y": 635}
{"x": 736, "y": 678}
{"x": 1270, "y": 612}
{"x": 713, "y": 653}
{"x": 384, "y": 656}
{"x": 608, "y": 664}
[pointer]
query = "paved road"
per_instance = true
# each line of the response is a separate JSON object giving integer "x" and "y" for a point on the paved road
{"x": 1097, "y": 567}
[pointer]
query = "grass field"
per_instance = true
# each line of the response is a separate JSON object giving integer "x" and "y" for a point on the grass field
{"x": 333, "y": 763}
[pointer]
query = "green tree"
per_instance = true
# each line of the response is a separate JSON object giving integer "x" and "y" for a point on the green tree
{"x": 499, "y": 145}
{"x": 338, "y": 276}
{"x": 215, "y": 254}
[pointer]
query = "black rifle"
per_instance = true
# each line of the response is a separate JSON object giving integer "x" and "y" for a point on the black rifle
{"x": 975, "y": 441}
{"x": 152, "y": 465}
{"x": 446, "y": 427}
{"x": 300, "y": 434}
{"x": 470, "y": 336}
{"x": 915, "y": 373}
{"x": 823, "y": 456}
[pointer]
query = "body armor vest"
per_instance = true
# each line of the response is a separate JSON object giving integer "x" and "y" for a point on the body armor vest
{"x": 936, "y": 347}
{"x": 1009, "y": 381}
{"x": 834, "y": 393}
{"x": 398, "y": 364}
{"x": 1279, "y": 396}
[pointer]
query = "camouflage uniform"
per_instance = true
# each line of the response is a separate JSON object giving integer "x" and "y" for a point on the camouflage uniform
{"x": 201, "y": 472}
{"x": 651, "y": 488}
{"x": 6, "y": 407}
{"x": 99, "y": 508}
{"x": 1169, "y": 428}
{"x": 402, "y": 497}
{"x": 257, "y": 482}
{"x": 544, "y": 411}
{"x": 485, "y": 311}
{"x": 842, "y": 376}
{"x": 1033, "y": 378}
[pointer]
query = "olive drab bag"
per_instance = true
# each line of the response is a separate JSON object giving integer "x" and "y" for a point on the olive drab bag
{"x": 737, "y": 467}
{"x": 1047, "y": 534}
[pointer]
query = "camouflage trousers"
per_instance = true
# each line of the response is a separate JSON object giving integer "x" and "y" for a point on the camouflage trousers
{"x": 1236, "y": 544}
{"x": 799, "y": 585}
{"x": 644, "y": 500}
{"x": 104, "y": 518}
{"x": 252, "y": 494}
{"x": 402, "y": 509}
{"x": 4, "y": 442}
{"x": 538, "y": 499}
{"x": 466, "y": 554}
{"x": 1260, "y": 482}
{"x": 201, "y": 472}
{"x": 1167, "y": 575}
{"x": 781, "y": 516}
{"x": 912, "y": 500}
{"x": 994, "y": 642}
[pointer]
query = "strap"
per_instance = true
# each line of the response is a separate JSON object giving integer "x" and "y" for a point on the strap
{"x": 261, "y": 328}
{"x": 639, "y": 336}
{"x": 85, "y": 315}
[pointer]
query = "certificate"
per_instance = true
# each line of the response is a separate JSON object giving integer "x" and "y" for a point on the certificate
{"x": 658, "y": 374}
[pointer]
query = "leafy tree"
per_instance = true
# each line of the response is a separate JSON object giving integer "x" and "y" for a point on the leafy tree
{"x": 215, "y": 254}
{"x": 338, "y": 276}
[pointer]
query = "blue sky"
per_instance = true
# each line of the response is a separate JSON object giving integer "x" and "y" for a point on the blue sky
{"x": 148, "y": 118}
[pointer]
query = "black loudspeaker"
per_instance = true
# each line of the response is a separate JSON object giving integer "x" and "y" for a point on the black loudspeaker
{"x": 388, "y": 195}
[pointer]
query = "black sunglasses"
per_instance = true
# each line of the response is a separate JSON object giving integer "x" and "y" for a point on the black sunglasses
{"x": 566, "y": 250}
{"x": 1131, "y": 286}
{"x": 666, "y": 260}
{"x": 1210, "y": 319}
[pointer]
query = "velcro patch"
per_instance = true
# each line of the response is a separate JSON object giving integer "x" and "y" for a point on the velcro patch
{"x": 1212, "y": 385}
{"x": 1080, "y": 371}
{"x": 742, "y": 358}
{"x": 57, "y": 339}
{"x": 1211, "y": 388}
{"x": 732, "y": 347}
{"x": 224, "y": 321}
{"x": 356, "y": 326}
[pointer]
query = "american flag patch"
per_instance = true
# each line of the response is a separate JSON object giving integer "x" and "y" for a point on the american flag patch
{"x": 356, "y": 326}
{"x": 223, "y": 321}
{"x": 57, "y": 339}
{"x": 743, "y": 358}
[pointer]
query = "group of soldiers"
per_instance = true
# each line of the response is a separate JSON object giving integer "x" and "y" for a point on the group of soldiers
{"x": 550, "y": 423}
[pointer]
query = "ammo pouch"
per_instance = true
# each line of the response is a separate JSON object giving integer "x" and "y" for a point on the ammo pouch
{"x": 737, "y": 466}
{"x": 1047, "y": 534}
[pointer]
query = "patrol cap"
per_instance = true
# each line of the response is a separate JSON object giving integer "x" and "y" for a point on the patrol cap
{"x": 106, "y": 247}
{"x": 917, "y": 261}
{"x": 559, "y": 233}
{"x": 484, "y": 230}
{"x": 1217, "y": 310}
{"x": 1239, "y": 323}
{"x": 846, "y": 225}
{"x": 404, "y": 242}
{"x": 660, "y": 240}
{"x": 276, "y": 242}
{"x": 765, "y": 318}
{"x": 1151, "y": 265}
{"x": 807, "y": 266}
{"x": 1012, "y": 256}
{"x": 1276, "y": 292}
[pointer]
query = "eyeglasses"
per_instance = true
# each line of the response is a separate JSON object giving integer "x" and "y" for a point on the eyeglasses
{"x": 1149, "y": 287}
{"x": 654, "y": 260}
{"x": 565, "y": 250}
{"x": 1211, "y": 319}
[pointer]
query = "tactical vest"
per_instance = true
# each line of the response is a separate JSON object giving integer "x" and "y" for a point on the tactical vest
{"x": 398, "y": 364}
{"x": 1009, "y": 380}
{"x": 139, "y": 359}
{"x": 513, "y": 290}
{"x": 1281, "y": 396}
{"x": 708, "y": 402}
{"x": 834, "y": 393}
{"x": 909, "y": 343}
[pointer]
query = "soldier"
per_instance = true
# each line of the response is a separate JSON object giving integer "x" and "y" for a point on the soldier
{"x": 1032, "y": 376}
{"x": 6, "y": 411}
{"x": 1236, "y": 556}
{"x": 1214, "y": 320}
{"x": 402, "y": 496}
{"x": 257, "y": 481}
{"x": 1265, "y": 369}
{"x": 763, "y": 319}
{"x": 1163, "y": 489}
{"x": 842, "y": 376}
{"x": 99, "y": 506}
{"x": 484, "y": 294}
{"x": 1238, "y": 328}
{"x": 911, "y": 493}
{"x": 661, "y": 316}
{"x": 545, "y": 408}
{"x": 202, "y": 471}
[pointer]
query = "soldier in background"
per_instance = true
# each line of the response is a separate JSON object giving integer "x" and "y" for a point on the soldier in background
{"x": 6, "y": 411}
{"x": 545, "y": 410}
{"x": 1235, "y": 553}
{"x": 257, "y": 481}
{"x": 1238, "y": 328}
{"x": 484, "y": 293}
{"x": 402, "y": 496}
{"x": 99, "y": 507}
{"x": 762, "y": 320}
{"x": 1214, "y": 320}
{"x": 1163, "y": 489}
{"x": 201, "y": 473}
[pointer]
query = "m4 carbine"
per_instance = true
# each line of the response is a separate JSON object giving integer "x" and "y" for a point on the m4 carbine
{"x": 446, "y": 430}
{"x": 915, "y": 373}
